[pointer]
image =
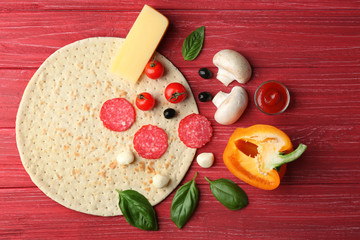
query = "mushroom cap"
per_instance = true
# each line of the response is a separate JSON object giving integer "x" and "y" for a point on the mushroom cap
{"x": 234, "y": 63}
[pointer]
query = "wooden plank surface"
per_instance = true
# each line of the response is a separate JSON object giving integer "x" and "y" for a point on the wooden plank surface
{"x": 285, "y": 38}
{"x": 313, "y": 47}
{"x": 111, "y": 5}
{"x": 270, "y": 214}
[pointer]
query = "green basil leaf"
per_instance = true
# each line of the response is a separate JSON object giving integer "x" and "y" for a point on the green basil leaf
{"x": 137, "y": 210}
{"x": 193, "y": 44}
{"x": 184, "y": 203}
{"x": 228, "y": 193}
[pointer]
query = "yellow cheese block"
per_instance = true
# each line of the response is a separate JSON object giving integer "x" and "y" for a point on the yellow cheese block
{"x": 140, "y": 44}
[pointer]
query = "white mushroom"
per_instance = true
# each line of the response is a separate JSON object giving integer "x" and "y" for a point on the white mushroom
{"x": 230, "y": 106}
{"x": 160, "y": 181}
{"x": 205, "y": 160}
{"x": 232, "y": 66}
{"x": 126, "y": 157}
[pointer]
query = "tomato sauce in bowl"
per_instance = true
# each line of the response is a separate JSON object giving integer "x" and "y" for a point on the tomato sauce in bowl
{"x": 272, "y": 97}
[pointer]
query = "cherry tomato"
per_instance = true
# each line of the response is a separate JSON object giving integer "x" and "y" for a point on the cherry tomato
{"x": 144, "y": 101}
{"x": 154, "y": 69}
{"x": 175, "y": 92}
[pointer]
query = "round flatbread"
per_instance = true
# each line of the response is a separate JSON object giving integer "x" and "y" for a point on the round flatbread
{"x": 65, "y": 147}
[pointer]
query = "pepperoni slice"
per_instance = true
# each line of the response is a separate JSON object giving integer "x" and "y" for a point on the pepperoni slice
{"x": 117, "y": 114}
{"x": 150, "y": 142}
{"x": 195, "y": 130}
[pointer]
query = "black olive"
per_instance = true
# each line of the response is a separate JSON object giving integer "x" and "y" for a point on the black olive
{"x": 205, "y": 96}
{"x": 205, "y": 73}
{"x": 169, "y": 113}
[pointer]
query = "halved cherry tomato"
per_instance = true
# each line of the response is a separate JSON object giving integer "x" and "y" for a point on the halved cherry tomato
{"x": 154, "y": 69}
{"x": 144, "y": 101}
{"x": 175, "y": 92}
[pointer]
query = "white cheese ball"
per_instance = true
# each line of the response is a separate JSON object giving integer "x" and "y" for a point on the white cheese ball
{"x": 125, "y": 157}
{"x": 205, "y": 160}
{"x": 160, "y": 181}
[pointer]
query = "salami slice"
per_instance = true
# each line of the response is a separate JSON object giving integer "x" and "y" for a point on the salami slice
{"x": 195, "y": 130}
{"x": 150, "y": 142}
{"x": 117, "y": 114}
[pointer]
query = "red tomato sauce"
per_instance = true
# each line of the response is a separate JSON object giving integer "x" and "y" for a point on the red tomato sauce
{"x": 272, "y": 97}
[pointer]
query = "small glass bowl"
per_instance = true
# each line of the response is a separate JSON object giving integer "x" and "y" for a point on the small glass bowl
{"x": 286, "y": 92}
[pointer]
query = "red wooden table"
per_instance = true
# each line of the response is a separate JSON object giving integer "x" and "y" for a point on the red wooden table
{"x": 313, "y": 47}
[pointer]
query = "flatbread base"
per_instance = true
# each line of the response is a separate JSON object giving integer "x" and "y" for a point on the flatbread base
{"x": 64, "y": 146}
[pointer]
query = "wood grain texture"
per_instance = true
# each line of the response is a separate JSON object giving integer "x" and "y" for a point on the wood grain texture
{"x": 296, "y": 211}
{"x": 114, "y": 5}
{"x": 266, "y": 38}
{"x": 310, "y": 46}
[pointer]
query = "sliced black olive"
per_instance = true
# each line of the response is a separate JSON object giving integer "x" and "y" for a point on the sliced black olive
{"x": 205, "y": 73}
{"x": 205, "y": 96}
{"x": 169, "y": 113}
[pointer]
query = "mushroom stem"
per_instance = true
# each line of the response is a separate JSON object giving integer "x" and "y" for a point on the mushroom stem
{"x": 225, "y": 77}
{"x": 219, "y": 98}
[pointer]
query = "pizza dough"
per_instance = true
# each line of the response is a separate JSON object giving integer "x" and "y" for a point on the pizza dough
{"x": 66, "y": 149}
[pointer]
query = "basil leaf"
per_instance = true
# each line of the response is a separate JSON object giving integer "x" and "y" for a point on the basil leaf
{"x": 184, "y": 203}
{"x": 193, "y": 44}
{"x": 228, "y": 193}
{"x": 137, "y": 210}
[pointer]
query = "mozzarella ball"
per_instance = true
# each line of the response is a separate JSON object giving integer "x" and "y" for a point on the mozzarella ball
{"x": 125, "y": 157}
{"x": 205, "y": 160}
{"x": 160, "y": 181}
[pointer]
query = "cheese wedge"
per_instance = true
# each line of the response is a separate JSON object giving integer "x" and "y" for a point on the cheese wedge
{"x": 140, "y": 44}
